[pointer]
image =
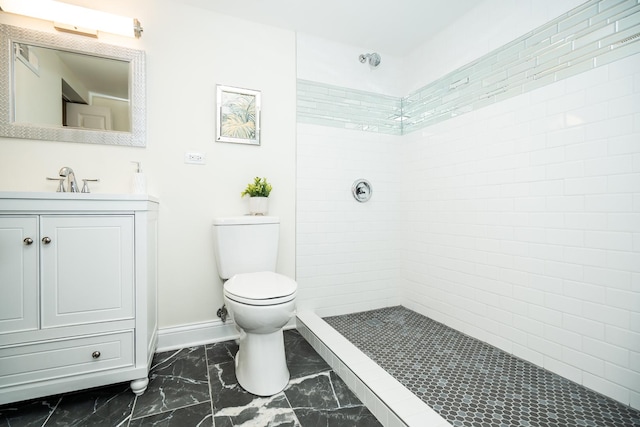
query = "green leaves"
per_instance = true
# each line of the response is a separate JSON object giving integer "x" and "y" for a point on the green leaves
{"x": 258, "y": 188}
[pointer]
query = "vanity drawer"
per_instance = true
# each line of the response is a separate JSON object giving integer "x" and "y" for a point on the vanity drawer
{"x": 59, "y": 358}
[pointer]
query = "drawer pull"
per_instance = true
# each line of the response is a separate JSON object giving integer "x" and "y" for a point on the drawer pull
{"x": 46, "y": 240}
{"x": 95, "y": 354}
{"x": 28, "y": 241}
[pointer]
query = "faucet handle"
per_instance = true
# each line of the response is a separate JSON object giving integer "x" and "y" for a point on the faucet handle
{"x": 85, "y": 186}
{"x": 60, "y": 184}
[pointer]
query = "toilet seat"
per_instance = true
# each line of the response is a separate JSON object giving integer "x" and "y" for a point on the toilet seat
{"x": 260, "y": 302}
{"x": 261, "y": 288}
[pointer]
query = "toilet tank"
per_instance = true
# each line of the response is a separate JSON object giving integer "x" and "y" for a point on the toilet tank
{"x": 245, "y": 244}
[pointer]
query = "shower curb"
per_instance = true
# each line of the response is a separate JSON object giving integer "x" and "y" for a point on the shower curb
{"x": 391, "y": 403}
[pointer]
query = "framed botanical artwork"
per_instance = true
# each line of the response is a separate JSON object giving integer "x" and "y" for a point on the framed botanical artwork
{"x": 238, "y": 115}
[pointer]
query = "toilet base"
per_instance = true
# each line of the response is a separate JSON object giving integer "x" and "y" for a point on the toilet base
{"x": 261, "y": 365}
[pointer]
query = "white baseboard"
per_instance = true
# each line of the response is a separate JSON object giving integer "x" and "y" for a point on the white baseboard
{"x": 196, "y": 334}
{"x": 177, "y": 337}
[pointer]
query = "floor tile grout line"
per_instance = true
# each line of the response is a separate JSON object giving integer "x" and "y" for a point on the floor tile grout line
{"x": 133, "y": 408}
{"x": 52, "y": 411}
{"x": 171, "y": 410}
{"x": 213, "y": 411}
{"x": 333, "y": 390}
{"x": 128, "y": 422}
{"x": 293, "y": 411}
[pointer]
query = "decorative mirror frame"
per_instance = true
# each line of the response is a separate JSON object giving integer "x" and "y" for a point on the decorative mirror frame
{"x": 76, "y": 44}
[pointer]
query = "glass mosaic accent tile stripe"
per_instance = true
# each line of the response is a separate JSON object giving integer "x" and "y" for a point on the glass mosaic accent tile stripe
{"x": 593, "y": 34}
{"x": 471, "y": 383}
{"x": 335, "y": 106}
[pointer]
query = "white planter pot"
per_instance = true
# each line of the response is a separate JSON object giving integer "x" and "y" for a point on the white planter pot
{"x": 258, "y": 205}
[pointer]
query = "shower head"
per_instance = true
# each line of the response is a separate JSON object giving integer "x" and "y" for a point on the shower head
{"x": 373, "y": 58}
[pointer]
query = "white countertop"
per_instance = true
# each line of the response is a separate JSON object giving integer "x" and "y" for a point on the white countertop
{"x": 27, "y": 201}
{"x": 44, "y": 195}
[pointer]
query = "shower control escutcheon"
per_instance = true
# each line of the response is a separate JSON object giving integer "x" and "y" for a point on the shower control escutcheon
{"x": 361, "y": 190}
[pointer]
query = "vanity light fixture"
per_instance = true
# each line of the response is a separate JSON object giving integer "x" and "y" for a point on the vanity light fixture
{"x": 75, "y": 19}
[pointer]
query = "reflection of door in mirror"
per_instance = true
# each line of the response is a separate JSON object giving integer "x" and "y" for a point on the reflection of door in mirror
{"x": 120, "y": 119}
{"x": 67, "y": 80}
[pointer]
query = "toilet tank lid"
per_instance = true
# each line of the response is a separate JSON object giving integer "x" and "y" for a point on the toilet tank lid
{"x": 246, "y": 219}
{"x": 261, "y": 285}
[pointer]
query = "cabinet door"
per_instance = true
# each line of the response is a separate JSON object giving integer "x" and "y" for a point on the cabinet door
{"x": 18, "y": 274}
{"x": 87, "y": 269}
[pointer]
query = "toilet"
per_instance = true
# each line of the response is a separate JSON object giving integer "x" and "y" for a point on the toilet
{"x": 260, "y": 300}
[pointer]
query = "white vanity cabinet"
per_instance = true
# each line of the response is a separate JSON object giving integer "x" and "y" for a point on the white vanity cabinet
{"x": 78, "y": 290}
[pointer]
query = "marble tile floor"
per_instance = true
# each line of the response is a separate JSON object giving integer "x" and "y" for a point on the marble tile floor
{"x": 197, "y": 387}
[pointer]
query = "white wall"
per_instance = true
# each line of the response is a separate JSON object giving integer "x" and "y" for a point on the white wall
{"x": 346, "y": 251}
{"x": 188, "y": 52}
{"x": 525, "y": 232}
{"x": 486, "y": 27}
{"x": 333, "y": 63}
{"x": 40, "y": 93}
{"x": 521, "y": 219}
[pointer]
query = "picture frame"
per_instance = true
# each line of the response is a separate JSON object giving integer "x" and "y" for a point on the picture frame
{"x": 238, "y": 115}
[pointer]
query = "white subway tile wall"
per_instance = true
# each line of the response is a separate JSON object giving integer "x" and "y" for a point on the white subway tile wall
{"x": 517, "y": 223}
{"x": 523, "y": 232}
{"x": 346, "y": 251}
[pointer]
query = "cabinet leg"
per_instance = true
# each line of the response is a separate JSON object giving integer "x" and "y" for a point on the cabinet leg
{"x": 139, "y": 386}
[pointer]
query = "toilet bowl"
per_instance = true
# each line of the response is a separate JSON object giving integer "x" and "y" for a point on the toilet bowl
{"x": 261, "y": 304}
{"x": 261, "y": 301}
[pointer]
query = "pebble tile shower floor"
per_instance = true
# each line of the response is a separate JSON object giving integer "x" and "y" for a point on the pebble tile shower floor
{"x": 471, "y": 383}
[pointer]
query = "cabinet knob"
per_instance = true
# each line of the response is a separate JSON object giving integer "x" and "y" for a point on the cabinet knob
{"x": 28, "y": 241}
{"x": 46, "y": 240}
{"x": 95, "y": 354}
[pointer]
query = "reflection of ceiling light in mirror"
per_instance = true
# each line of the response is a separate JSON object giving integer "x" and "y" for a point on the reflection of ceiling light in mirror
{"x": 73, "y": 18}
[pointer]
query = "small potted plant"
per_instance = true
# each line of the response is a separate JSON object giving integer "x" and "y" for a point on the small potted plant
{"x": 258, "y": 192}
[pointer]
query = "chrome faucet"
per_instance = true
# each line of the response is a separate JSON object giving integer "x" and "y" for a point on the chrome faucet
{"x": 72, "y": 184}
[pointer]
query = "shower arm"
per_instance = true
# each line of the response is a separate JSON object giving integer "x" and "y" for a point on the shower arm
{"x": 373, "y": 58}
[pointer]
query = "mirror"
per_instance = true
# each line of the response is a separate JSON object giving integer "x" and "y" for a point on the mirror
{"x": 68, "y": 88}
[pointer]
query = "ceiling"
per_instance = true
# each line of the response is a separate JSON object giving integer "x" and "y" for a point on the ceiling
{"x": 394, "y": 27}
